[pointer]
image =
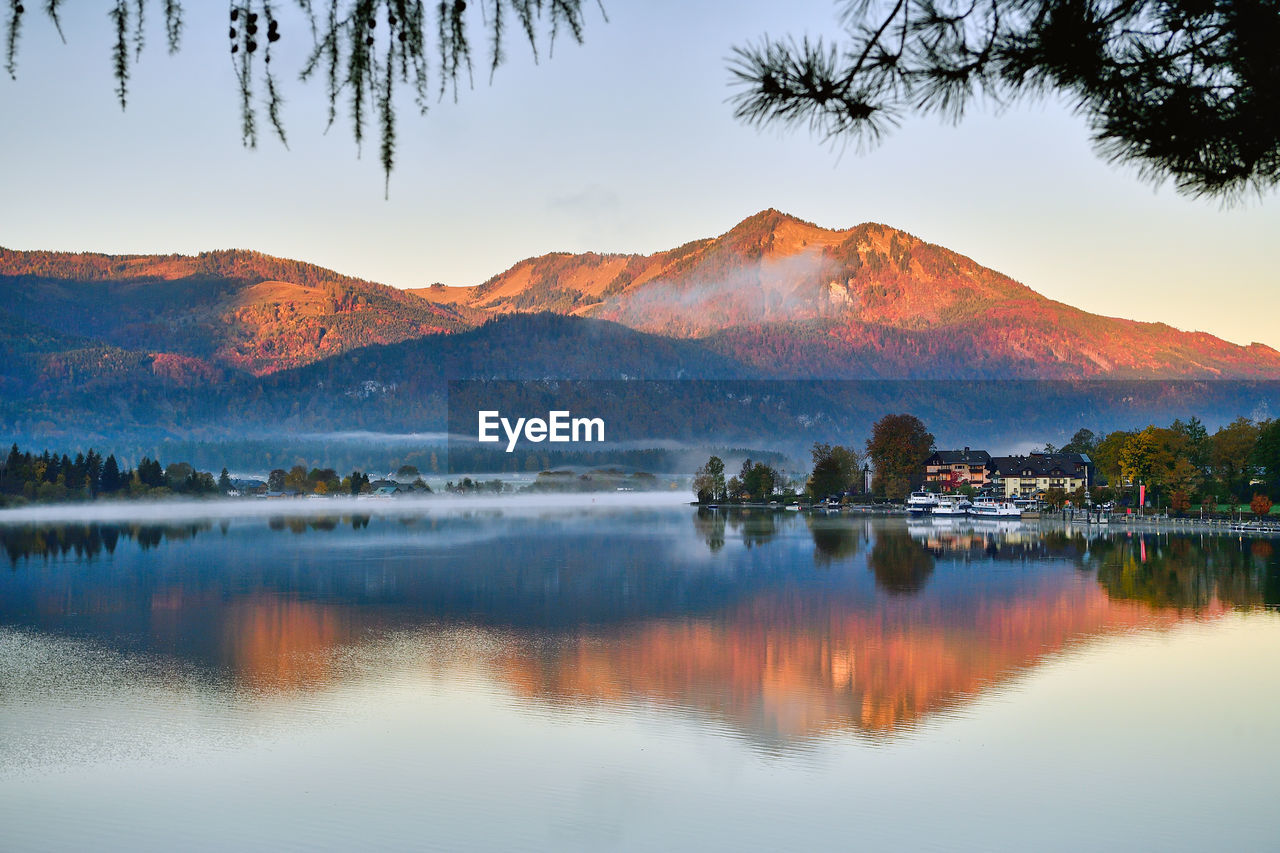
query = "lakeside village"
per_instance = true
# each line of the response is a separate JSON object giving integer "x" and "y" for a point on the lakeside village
{"x": 1178, "y": 471}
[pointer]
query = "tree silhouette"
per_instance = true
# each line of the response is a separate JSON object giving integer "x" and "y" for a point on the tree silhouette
{"x": 362, "y": 50}
{"x": 1183, "y": 89}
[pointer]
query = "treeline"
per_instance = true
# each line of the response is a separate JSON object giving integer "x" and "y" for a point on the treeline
{"x": 896, "y": 451}
{"x": 836, "y": 474}
{"x": 1183, "y": 464}
{"x": 326, "y": 481}
{"x": 26, "y": 476}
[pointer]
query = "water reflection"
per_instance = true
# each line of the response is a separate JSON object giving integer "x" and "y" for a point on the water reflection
{"x": 783, "y": 625}
{"x": 901, "y": 565}
{"x": 834, "y": 538}
{"x": 1187, "y": 574}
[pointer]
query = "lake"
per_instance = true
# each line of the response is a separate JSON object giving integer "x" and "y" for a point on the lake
{"x": 463, "y": 675}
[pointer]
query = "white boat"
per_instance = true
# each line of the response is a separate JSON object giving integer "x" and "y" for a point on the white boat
{"x": 986, "y": 508}
{"x": 919, "y": 503}
{"x": 951, "y": 507}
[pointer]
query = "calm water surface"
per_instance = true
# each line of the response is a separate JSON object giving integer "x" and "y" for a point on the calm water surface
{"x": 634, "y": 678}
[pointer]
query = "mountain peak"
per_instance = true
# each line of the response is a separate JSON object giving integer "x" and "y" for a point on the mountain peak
{"x": 775, "y": 292}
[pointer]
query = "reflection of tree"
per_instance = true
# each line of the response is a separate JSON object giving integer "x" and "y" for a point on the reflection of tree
{"x": 900, "y": 564}
{"x": 1189, "y": 573}
{"x": 756, "y": 527}
{"x": 86, "y": 540}
{"x": 90, "y": 540}
{"x": 710, "y": 526}
{"x": 833, "y": 539}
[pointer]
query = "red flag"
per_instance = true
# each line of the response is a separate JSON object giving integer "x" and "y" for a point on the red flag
{"x": 1142, "y": 495}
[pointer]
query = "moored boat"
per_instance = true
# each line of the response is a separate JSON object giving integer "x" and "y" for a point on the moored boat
{"x": 921, "y": 502}
{"x": 951, "y": 507}
{"x": 987, "y": 508}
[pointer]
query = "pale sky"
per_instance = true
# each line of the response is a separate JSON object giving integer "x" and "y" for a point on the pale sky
{"x": 625, "y": 144}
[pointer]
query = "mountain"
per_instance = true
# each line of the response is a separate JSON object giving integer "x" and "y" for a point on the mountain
{"x": 216, "y": 343}
{"x": 216, "y": 312}
{"x": 62, "y": 385}
{"x": 798, "y": 300}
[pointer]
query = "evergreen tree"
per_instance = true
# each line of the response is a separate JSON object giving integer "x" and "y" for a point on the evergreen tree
{"x": 110, "y": 480}
{"x": 93, "y": 470}
{"x": 1183, "y": 89}
{"x": 150, "y": 474}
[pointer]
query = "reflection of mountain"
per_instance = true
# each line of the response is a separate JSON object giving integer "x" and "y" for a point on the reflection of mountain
{"x": 280, "y": 644}
{"x": 782, "y": 625}
{"x": 789, "y": 665}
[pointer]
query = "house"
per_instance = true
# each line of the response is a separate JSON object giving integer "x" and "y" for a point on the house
{"x": 951, "y": 469}
{"x": 1036, "y": 473}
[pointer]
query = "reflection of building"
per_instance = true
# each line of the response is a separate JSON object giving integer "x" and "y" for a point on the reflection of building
{"x": 1025, "y": 476}
{"x": 952, "y": 469}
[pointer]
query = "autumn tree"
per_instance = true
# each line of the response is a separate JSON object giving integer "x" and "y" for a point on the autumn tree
{"x": 1106, "y": 455}
{"x": 1137, "y": 456}
{"x": 734, "y": 488}
{"x": 1179, "y": 502}
{"x": 1159, "y": 458}
{"x": 898, "y": 447}
{"x": 1260, "y": 505}
{"x": 296, "y": 479}
{"x": 708, "y": 481}
{"x": 1183, "y": 89}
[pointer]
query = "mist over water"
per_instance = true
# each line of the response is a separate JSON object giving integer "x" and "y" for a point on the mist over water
{"x": 152, "y": 512}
